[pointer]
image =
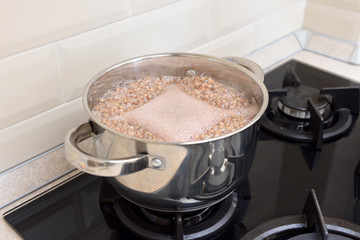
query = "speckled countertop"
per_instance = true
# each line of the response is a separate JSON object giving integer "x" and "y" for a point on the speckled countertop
{"x": 45, "y": 171}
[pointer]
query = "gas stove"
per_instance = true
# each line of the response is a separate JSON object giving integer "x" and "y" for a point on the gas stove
{"x": 304, "y": 182}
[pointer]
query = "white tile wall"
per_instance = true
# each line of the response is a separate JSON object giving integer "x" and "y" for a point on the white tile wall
{"x": 28, "y": 24}
{"x": 332, "y": 20}
{"x": 141, "y": 6}
{"x": 30, "y": 85}
{"x": 349, "y": 5}
{"x": 38, "y": 134}
{"x": 49, "y": 50}
{"x": 257, "y": 34}
{"x": 230, "y": 15}
{"x": 181, "y": 27}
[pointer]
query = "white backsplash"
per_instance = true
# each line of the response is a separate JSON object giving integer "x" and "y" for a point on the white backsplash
{"x": 337, "y": 18}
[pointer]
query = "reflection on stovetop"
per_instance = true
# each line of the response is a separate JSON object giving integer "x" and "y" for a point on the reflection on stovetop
{"x": 283, "y": 173}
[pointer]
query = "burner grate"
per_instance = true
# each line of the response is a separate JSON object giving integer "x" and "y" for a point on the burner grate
{"x": 309, "y": 115}
{"x": 310, "y": 225}
{"x": 214, "y": 222}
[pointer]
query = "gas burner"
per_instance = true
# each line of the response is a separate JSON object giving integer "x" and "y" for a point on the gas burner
{"x": 136, "y": 222}
{"x": 165, "y": 219}
{"x": 310, "y": 115}
{"x": 311, "y": 226}
{"x": 295, "y": 103}
{"x": 148, "y": 224}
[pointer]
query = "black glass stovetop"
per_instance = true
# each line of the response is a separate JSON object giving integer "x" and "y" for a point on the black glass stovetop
{"x": 279, "y": 181}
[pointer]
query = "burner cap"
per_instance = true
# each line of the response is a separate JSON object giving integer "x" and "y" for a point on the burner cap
{"x": 314, "y": 236}
{"x": 295, "y": 103}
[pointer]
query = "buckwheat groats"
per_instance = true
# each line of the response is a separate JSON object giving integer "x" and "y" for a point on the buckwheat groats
{"x": 175, "y": 109}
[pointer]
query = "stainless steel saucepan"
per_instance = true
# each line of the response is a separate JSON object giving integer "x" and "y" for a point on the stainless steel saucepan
{"x": 170, "y": 176}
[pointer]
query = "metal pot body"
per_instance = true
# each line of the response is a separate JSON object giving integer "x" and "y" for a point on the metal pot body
{"x": 191, "y": 176}
{"x": 162, "y": 175}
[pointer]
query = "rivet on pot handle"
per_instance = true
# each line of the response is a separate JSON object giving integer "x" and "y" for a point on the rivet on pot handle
{"x": 252, "y": 66}
{"x": 104, "y": 167}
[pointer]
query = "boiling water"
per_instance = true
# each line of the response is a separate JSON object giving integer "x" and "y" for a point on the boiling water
{"x": 177, "y": 110}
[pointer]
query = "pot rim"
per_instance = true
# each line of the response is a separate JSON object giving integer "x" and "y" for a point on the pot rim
{"x": 212, "y": 58}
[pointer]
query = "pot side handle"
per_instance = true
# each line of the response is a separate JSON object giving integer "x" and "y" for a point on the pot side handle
{"x": 250, "y": 65}
{"x": 104, "y": 167}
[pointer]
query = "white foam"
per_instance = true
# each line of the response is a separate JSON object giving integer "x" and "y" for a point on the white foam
{"x": 177, "y": 117}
